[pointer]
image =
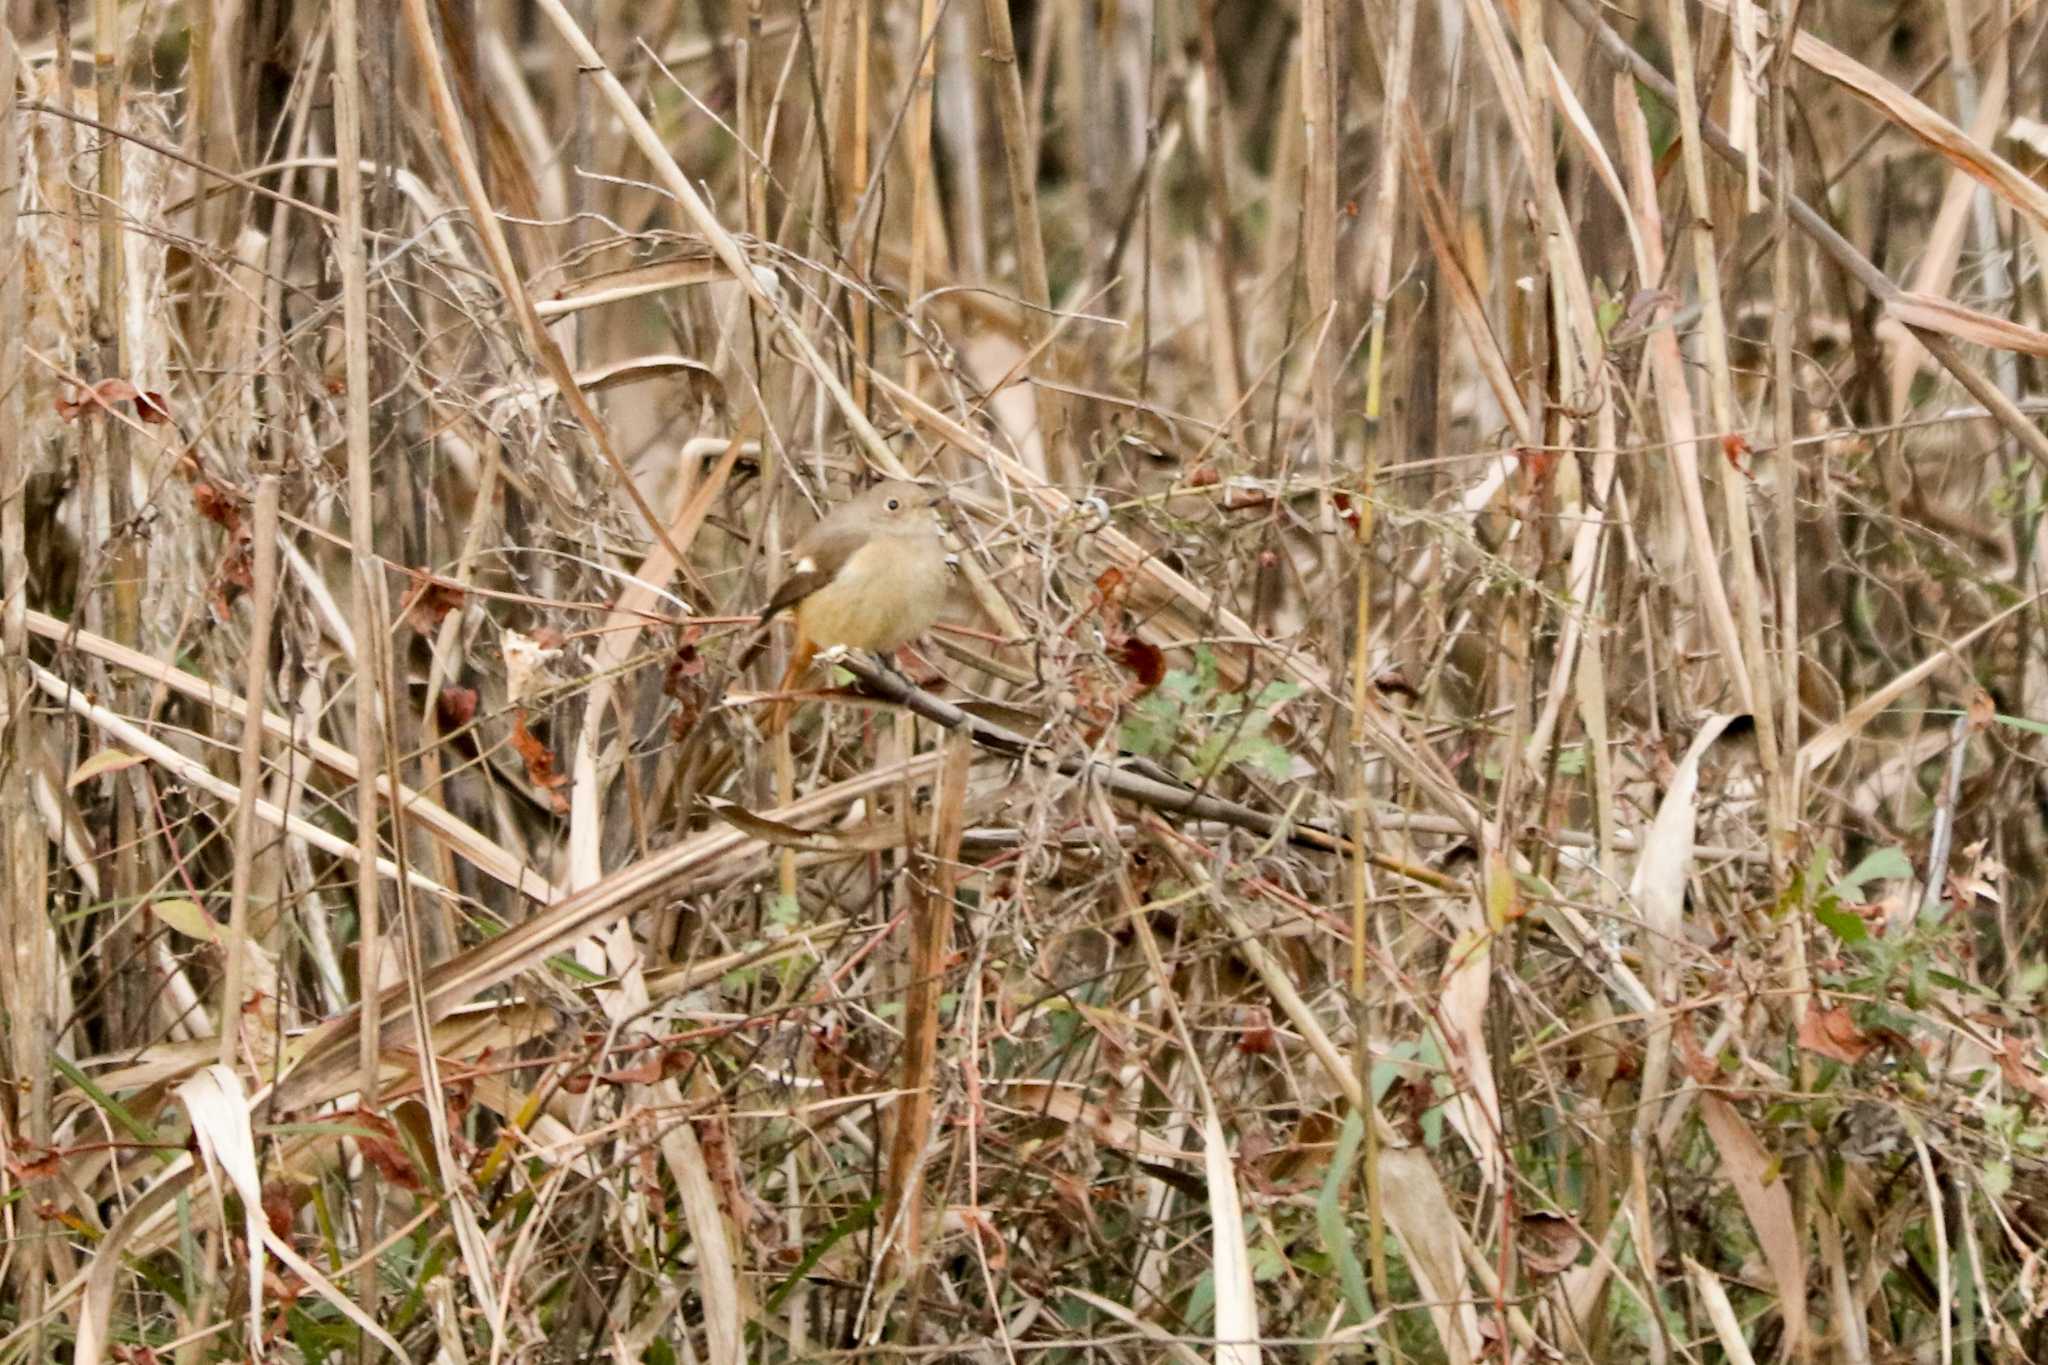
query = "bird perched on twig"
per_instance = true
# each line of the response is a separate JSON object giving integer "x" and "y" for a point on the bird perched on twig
{"x": 871, "y": 576}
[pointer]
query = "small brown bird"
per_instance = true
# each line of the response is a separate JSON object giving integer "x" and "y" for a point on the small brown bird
{"x": 871, "y": 576}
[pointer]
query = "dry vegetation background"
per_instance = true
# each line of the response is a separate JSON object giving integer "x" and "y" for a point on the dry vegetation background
{"x": 1544, "y": 498}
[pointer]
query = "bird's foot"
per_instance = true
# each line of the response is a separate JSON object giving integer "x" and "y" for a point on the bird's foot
{"x": 830, "y": 655}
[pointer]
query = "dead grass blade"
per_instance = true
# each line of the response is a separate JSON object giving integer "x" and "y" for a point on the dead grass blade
{"x": 1828, "y": 742}
{"x": 1768, "y": 1203}
{"x": 1720, "y": 1312}
{"x": 465, "y": 840}
{"x": 1237, "y": 1304}
{"x": 1427, "y": 1229}
{"x": 1674, "y": 400}
{"x": 1665, "y": 863}
{"x": 321, "y": 1062}
{"x": 220, "y": 1125}
{"x": 194, "y": 772}
{"x": 1440, "y": 224}
{"x": 1929, "y": 313}
{"x": 1462, "y": 996}
{"x": 687, "y": 269}
{"x": 1919, "y": 120}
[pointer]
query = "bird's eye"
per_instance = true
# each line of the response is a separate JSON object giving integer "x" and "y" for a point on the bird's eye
{"x": 894, "y": 504}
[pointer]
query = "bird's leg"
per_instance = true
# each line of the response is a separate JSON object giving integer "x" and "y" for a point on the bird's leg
{"x": 830, "y": 655}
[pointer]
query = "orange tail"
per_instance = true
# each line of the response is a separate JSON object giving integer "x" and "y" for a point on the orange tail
{"x": 779, "y": 711}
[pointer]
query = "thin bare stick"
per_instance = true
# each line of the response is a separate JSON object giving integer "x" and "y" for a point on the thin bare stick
{"x": 262, "y": 608}
{"x": 366, "y": 583}
{"x": 28, "y": 974}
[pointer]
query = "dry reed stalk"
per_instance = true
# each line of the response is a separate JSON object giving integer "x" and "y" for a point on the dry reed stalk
{"x": 368, "y": 609}
{"x": 29, "y": 965}
{"x": 263, "y": 606}
{"x": 1397, "y": 64}
{"x": 1933, "y": 325}
{"x": 926, "y": 968}
{"x": 1227, "y": 338}
{"x": 478, "y": 851}
{"x": 923, "y": 208}
{"x": 1319, "y": 256}
{"x": 850, "y": 118}
{"x": 1727, "y": 421}
{"x": 1020, "y": 161}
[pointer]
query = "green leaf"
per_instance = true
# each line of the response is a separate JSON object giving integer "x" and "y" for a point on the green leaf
{"x": 108, "y": 1105}
{"x": 1149, "y": 727}
{"x": 1955, "y": 983}
{"x": 571, "y": 968}
{"x": 187, "y": 917}
{"x": 1818, "y": 866}
{"x": 1330, "y": 1221}
{"x": 1277, "y": 694}
{"x": 1269, "y": 756}
{"x": 1201, "y": 1309}
{"x": 1251, "y": 727}
{"x": 1606, "y": 315}
{"x": 1180, "y": 686}
{"x": 1884, "y": 864}
{"x": 856, "y": 1221}
{"x": 1843, "y": 924}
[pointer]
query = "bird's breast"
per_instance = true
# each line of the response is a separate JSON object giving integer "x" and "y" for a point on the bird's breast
{"x": 886, "y": 594}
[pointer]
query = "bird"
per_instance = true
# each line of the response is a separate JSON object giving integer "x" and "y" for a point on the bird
{"x": 872, "y": 575}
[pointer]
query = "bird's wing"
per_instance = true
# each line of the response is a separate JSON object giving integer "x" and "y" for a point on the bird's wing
{"x": 819, "y": 558}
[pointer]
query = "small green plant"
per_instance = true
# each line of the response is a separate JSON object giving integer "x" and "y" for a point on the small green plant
{"x": 2010, "y": 496}
{"x": 1830, "y": 899}
{"x": 1189, "y": 718}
